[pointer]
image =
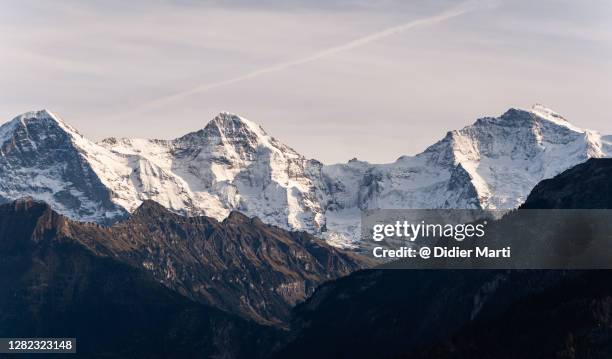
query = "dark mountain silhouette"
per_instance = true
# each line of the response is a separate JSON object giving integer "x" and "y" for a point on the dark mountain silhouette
{"x": 386, "y": 313}
{"x": 587, "y": 185}
{"x": 569, "y": 320}
{"x": 54, "y": 286}
{"x": 240, "y": 265}
{"x": 469, "y": 313}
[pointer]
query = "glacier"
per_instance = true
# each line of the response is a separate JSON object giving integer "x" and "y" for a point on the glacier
{"x": 232, "y": 164}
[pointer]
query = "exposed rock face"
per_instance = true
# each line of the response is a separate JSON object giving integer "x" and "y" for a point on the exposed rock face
{"x": 54, "y": 286}
{"x": 232, "y": 164}
{"x": 240, "y": 265}
{"x": 229, "y": 165}
{"x": 41, "y": 157}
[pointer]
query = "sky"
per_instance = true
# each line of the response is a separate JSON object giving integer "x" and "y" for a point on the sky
{"x": 333, "y": 79}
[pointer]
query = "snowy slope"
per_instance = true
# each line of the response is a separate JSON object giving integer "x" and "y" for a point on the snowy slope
{"x": 493, "y": 163}
{"x": 233, "y": 164}
{"x": 42, "y": 157}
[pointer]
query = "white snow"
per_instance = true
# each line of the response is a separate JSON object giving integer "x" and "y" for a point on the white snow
{"x": 233, "y": 164}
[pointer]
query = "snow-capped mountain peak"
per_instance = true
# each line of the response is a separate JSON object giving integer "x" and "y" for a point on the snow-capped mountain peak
{"x": 547, "y": 113}
{"x": 231, "y": 122}
{"x": 230, "y": 164}
{"x": 229, "y": 130}
{"x": 40, "y": 115}
{"x": 49, "y": 117}
{"x": 45, "y": 158}
{"x": 523, "y": 145}
{"x": 233, "y": 164}
{"x": 493, "y": 163}
{"x": 228, "y": 126}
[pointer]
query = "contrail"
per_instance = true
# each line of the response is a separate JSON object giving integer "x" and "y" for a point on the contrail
{"x": 314, "y": 57}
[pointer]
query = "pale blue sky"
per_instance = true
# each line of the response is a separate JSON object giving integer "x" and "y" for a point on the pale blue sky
{"x": 328, "y": 78}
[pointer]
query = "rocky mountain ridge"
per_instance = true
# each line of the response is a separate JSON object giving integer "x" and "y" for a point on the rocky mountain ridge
{"x": 232, "y": 164}
{"x": 55, "y": 286}
{"x": 240, "y": 265}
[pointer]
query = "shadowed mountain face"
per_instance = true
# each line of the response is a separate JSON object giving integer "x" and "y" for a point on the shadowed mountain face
{"x": 569, "y": 320}
{"x": 239, "y": 265}
{"x": 587, "y": 185}
{"x": 386, "y": 313}
{"x": 469, "y": 313}
{"x": 54, "y": 286}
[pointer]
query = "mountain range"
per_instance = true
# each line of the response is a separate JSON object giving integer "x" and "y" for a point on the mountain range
{"x": 469, "y": 313}
{"x": 232, "y": 164}
{"x": 104, "y": 259}
{"x": 131, "y": 290}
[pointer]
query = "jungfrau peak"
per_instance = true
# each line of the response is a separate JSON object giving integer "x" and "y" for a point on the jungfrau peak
{"x": 233, "y": 164}
{"x": 493, "y": 163}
